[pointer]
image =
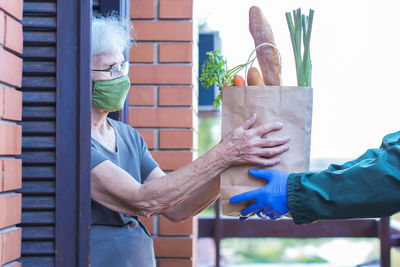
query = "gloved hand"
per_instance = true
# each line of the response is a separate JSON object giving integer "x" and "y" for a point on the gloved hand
{"x": 270, "y": 200}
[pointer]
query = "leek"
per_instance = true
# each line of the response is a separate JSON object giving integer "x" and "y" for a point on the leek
{"x": 300, "y": 27}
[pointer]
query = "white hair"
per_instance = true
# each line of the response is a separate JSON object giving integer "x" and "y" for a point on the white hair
{"x": 111, "y": 34}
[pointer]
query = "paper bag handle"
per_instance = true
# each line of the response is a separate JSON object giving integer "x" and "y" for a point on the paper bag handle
{"x": 255, "y": 49}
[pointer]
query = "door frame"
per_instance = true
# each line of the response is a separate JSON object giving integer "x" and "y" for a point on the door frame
{"x": 72, "y": 216}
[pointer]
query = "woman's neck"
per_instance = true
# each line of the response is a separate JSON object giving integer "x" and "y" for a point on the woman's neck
{"x": 98, "y": 118}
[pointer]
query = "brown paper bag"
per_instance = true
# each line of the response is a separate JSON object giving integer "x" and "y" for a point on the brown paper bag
{"x": 290, "y": 105}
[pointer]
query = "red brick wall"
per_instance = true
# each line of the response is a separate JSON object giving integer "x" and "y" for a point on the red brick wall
{"x": 10, "y": 133}
{"x": 163, "y": 107}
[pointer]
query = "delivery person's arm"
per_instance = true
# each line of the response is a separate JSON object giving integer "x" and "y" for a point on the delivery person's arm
{"x": 366, "y": 187}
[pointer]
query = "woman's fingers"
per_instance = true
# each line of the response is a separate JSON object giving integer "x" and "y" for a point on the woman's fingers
{"x": 246, "y": 144}
{"x": 267, "y": 128}
{"x": 247, "y": 125}
{"x": 263, "y": 161}
{"x": 273, "y": 141}
{"x": 264, "y": 156}
{"x": 270, "y": 151}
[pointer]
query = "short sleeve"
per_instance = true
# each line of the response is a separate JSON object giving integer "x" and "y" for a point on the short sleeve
{"x": 147, "y": 163}
{"x": 96, "y": 157}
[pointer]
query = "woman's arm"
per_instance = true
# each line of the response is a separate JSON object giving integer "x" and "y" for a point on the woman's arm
{"x": 366, "y": 187}
{"x": 195, "y": 203}
{"x": 116, "y": 189}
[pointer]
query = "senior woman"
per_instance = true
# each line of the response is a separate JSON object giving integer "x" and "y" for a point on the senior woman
{"x": 127, "y": 182}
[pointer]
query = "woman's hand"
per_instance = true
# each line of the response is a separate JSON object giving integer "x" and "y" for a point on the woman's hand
{"x": 245, "y": 145}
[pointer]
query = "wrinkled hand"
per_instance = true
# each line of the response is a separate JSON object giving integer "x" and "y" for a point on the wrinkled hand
{"x": 251, "y": 146}
{"x": 270, "y": 200}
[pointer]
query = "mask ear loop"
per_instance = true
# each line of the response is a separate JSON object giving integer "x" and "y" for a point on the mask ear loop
{"x": 255, "y": 49}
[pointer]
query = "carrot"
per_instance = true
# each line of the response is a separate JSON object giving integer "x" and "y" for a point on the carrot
{"x": 238, "y": 81}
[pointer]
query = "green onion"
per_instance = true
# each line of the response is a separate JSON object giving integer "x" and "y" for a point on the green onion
{"x": 300, "y": 26}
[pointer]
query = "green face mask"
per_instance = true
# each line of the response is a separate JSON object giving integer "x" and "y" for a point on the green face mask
{"x": 110, "y": 95}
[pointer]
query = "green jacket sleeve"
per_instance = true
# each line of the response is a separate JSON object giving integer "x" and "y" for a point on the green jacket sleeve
{"x": 366, "y": 187}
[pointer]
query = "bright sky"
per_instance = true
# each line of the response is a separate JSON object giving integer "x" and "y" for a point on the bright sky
{"x": 355, "y": 52}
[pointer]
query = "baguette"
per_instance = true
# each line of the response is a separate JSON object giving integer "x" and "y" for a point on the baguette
{"x": 266, "y": 55}
{"x": 254, "y": 77}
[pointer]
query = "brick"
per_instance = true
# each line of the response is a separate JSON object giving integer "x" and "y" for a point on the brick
{"x": 176, "y": 263}
{"x": 161, "y": 117}
{"x": 12, "y": 7}
{"x": 176, "y": 9}
{"x": 10, "y": 210}
{"x": 175, "y": 96}
{"x": 149, "y": 137}
{"x": 1, "y": 248}
{"x": 12, "y": 174}
{"x": 176, "y": 139}
{"x": 1, "y": 177}
{"x": 11, "y": 245}
{"x": 163, "y": 30}
{"x": 10, "y": 139}
{"x": 149, "y": 223}
{"x": 142, "y": 96}
{"x": 1, "y": 101}
{"x": 143, "y": 9}
{"x": 172, "y": 160}
{"x": 142, "y": 53}
{"x": 173, "y": 247}
{"x": 10, "y": 68}
{"x": 175, "y": 52}
{"x": 12, "y": 104}
{"x": 167, "y": 227}
{"x": 13, "y": 39}
{"x": 161, "y": 74}
{"x": 2, "y": 27}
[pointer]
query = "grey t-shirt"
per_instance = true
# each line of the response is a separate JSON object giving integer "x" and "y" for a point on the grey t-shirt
{"x": 118, "y": 239}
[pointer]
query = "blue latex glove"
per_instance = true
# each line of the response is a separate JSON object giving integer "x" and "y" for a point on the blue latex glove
{"x": 271, "y": 200}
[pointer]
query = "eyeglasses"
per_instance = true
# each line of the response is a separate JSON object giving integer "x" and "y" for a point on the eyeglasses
{"x": 117, "y": 70}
